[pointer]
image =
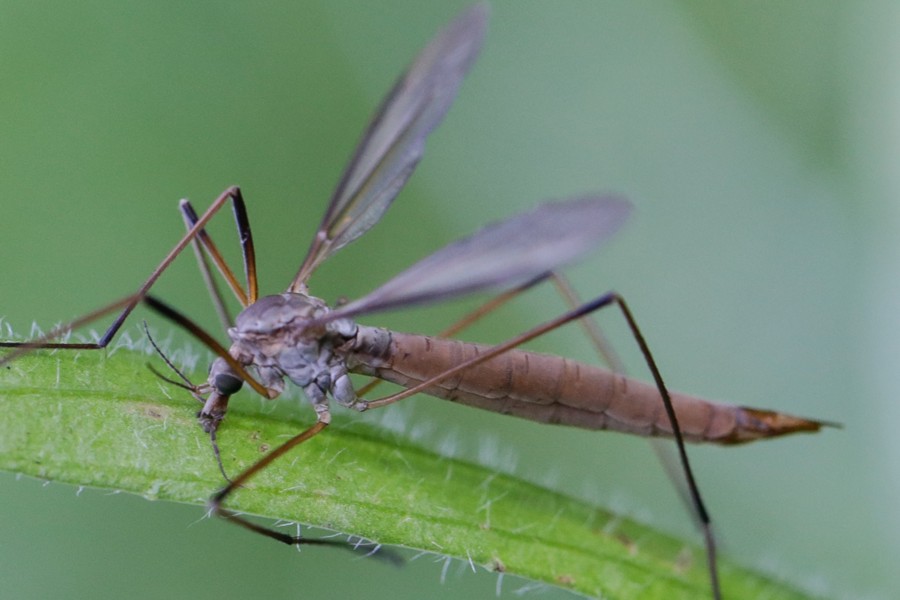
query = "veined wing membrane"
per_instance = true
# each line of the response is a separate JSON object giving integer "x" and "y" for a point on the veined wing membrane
{"x": 507, "y": 253}
{"x": 395, "y": 140}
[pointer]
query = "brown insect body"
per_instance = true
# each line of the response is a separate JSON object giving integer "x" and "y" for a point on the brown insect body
{"x": 556, "y": 390}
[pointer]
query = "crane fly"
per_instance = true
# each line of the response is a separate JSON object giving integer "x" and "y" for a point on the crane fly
{"x": 296, "y": 336}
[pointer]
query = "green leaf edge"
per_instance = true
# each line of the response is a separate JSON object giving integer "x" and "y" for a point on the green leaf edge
{"x": 102, "y": 420}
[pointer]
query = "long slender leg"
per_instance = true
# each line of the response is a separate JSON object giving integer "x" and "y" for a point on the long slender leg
{"x": 216, "y": 503}
{"x": 610, "y": 298}
{"x": 247, "y": 250}
{"x": 127, "y": 303}
{"x": 212, "y": 286}
{"x": 591, "y": 328}
{"x": 678, "y": 476}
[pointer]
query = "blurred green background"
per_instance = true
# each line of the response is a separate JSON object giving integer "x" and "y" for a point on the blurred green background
{"x": 759, "y": 143}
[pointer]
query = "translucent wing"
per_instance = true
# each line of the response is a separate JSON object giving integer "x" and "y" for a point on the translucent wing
{"x": 394, "y": 141}
{"x": 511, "y": 252}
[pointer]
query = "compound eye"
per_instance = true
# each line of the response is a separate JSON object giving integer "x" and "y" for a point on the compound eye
{"x": 227, "y": 384}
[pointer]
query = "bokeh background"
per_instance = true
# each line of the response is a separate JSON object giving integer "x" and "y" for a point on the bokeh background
{"x": 760, "y": 145}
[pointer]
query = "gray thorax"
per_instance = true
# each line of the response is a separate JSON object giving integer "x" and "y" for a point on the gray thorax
{"x": 281, "y": 336}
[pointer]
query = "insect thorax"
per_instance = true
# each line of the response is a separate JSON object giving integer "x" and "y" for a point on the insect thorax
{"x": 284, "y": 336}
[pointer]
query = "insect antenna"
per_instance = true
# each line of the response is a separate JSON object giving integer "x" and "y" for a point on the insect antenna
{"x": 184, "y": 386}
{"x": 185, "y": 383}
